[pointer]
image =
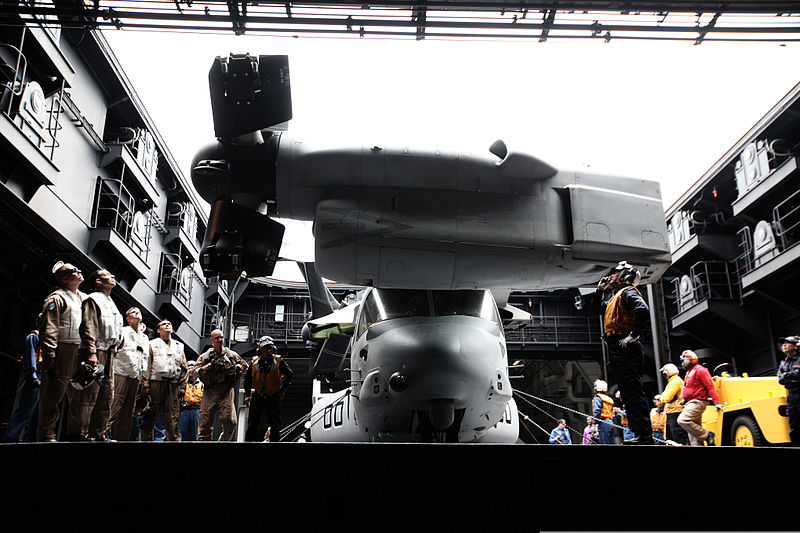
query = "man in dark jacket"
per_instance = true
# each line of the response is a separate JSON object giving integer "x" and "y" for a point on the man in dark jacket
{"x": 268, "y": 377}
{"x": 625, "y": 315}
{"x": 789, "y": 377}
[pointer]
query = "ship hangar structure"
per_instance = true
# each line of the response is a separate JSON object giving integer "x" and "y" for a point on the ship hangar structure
{"x": 732, "y": 289}
{"x": 86, "y": 178}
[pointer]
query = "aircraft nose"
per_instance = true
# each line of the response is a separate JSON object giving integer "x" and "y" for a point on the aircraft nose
{"x": 424, "y": 362}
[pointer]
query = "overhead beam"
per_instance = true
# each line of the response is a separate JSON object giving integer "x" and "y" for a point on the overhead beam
{"x": 428, "y": 18}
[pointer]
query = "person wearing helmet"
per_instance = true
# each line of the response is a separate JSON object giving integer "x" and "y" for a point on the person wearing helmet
{"x": 672, "y": 404}
{"x": 789, "y": 377}
{"x": 625, "y": 315}
{"x": 658, "y": 419}
{"x": 697, "y": 388}
{"x": 264, "y": 385}
{"x": 603, "y": 410}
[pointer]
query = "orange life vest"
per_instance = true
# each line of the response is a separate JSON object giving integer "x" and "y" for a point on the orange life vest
{"x": 267, "y": 383}
{"x": 618, "y": 320}
{"x": 607, "y": 410}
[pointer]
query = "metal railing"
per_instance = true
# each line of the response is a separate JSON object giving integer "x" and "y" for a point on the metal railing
{"x": 15, "y": 90}
{"x": 183, "y": 215}
{"x": 543, "y": 329}
{"x": 175, "y": 279}
{"x": 745, "y": 261}
{"x": 563, "y": 329}
{"x": 685, "y": 224}
{"x": 286, "y": 330}
{"x": 115, "y": 208}
{"x": 773, "y": 237}
{"x": 214, "y": 317}
{"x": 707, "y": 280}
{"x": 786, "y": 221}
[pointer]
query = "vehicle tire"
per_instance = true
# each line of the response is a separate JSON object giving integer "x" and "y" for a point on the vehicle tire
{"x": 745, "y": 432}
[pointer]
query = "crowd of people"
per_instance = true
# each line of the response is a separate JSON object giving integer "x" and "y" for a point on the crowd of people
{"x": 100, "y": 377}
{"x": 676, "y": 414}
{"x": 96, "y": 374}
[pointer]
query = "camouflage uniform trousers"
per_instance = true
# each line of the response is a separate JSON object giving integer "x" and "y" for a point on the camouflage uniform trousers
{"x": 55, "y": 385}
{"x": 164, "y": 398}
{"x": 217, "y": 399}
{"x": 94, "y": 402}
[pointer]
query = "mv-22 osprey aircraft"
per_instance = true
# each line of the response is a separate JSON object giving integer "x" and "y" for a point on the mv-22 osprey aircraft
{"x": 439, "y": 240}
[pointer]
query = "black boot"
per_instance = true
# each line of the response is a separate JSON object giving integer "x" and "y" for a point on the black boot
{"x": 640, "y": 440}
{"x": 710, "y": 438}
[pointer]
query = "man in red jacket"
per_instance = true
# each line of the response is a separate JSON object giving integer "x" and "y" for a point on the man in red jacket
{"x": 697, "y": 389}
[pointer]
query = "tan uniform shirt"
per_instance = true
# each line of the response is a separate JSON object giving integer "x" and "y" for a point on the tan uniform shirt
{"x": 58, "y": 314}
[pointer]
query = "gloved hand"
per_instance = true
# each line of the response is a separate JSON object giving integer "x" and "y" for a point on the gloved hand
{"x": 604, "y": 283}
{"x": 719, "y": 406}
{"x": 627, "y": 340}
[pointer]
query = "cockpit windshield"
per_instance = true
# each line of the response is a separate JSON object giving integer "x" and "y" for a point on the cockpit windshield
{"x": 386, "y": 304}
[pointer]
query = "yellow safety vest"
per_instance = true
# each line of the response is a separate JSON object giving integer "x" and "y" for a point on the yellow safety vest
{"x": 193, "y": 394}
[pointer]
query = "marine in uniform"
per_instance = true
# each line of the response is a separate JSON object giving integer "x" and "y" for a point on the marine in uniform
{"x": 165, "y": 380}
{"x": 625, "y": 315}
{"x": 129, "y": 369}
{"x": 264, "y": 385}
{"x": 220, "y": 369}
{"x": 101, "y": 337}
{"x": 59, "y": 342}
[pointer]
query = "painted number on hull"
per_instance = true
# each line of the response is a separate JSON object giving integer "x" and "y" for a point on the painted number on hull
{"x": 506, "y": 416}
{"x": 334, "y": 415}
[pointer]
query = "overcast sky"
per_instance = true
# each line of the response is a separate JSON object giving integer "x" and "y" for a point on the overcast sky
{"x": 664, "y": 111}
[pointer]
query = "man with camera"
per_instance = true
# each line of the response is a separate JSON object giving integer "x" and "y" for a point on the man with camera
{"x": 219, "y": 369}
{"x": 101, "y": 338}
{"x": 267, "y": 379}
{"x": 129, "y": 371}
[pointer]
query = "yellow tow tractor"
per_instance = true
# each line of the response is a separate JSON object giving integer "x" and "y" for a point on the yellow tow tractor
{"x": 754, "y": 412}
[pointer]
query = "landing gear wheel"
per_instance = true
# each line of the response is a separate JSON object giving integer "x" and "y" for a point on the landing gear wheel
{"x": 745, "y": 432}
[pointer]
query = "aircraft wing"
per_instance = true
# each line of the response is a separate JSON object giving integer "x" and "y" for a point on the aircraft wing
{"x": 341, "y": 321}
{"x": 514, "y": 317}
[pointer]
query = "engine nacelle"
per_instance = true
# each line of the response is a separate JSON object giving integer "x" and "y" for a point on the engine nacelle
{"x": 402, "y": 218}
{"x": 237, "y": 174}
